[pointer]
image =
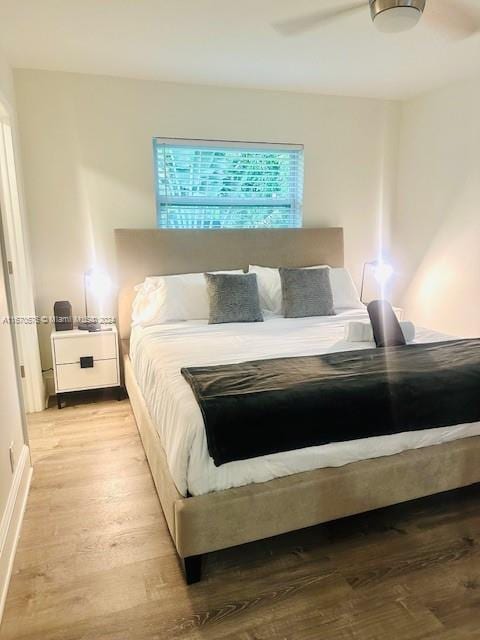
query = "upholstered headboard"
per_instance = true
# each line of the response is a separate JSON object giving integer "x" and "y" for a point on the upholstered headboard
{"x": 156, "y": 252}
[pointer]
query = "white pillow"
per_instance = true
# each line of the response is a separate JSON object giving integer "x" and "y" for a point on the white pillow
{"x": 162, "y": 299}
{"x": 345, "y": 294}
{"x": 269, "y": 288}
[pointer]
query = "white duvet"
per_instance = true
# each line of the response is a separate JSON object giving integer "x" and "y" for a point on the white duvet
{"x": 159, "y": 352}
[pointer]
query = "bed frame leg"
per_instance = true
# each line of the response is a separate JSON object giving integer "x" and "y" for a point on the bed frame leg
{"x": 192, "y": 568}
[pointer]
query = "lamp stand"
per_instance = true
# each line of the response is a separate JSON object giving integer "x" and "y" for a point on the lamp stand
{"x": 87, "y": 325}
{"x": 363, "y": 282}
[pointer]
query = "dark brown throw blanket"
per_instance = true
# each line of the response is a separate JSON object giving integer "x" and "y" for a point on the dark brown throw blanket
{"x": 256, "y": 408}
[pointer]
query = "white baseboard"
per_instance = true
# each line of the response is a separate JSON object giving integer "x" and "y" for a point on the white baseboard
{"x": 11, "y": 522}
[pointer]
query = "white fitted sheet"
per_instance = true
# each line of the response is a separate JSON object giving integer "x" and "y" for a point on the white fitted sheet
{"x": 159, "y": 352}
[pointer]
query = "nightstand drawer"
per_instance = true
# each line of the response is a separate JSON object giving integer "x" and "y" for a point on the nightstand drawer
{"x": 71, "y": 377}
{"x": 100, "y": 346}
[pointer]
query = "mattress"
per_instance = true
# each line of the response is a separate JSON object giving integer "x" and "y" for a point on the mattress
{"x": 159, "y": 352}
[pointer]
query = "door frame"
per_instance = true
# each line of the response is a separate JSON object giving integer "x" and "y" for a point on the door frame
{"x": 21, "y": 395}
{"x": 18, "y": 272}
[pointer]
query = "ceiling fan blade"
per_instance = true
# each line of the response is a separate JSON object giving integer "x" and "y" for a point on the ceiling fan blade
{"x": 453, "y": 18}
{"x": 312, "y": 20}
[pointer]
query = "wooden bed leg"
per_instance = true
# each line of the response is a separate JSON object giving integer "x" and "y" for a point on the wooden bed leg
{"x": 192, "y": 568}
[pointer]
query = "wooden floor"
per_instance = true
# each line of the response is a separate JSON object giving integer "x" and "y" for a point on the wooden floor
{"x": 95, "y": 559}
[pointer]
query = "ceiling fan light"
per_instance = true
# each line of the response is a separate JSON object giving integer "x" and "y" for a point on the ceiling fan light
{"x": 397, "y": 19}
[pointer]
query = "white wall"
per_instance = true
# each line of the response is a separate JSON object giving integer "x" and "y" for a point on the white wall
{"x": 87, "y": 153}
{"x": 437, "y": 222}
{"x": 6, "y": 82}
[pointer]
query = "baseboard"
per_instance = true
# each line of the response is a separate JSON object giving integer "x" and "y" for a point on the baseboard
{"x": 11, "y": 522}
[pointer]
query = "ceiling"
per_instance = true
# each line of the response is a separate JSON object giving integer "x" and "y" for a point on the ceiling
{"x": 232, "y": 42}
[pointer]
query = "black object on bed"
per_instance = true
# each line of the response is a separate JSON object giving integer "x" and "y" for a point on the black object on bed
{"x": 387, "y": 331}
{"x": 256, "y": 408}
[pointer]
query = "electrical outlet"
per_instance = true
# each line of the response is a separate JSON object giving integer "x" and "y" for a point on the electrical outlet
{"x": 11, "y": 453}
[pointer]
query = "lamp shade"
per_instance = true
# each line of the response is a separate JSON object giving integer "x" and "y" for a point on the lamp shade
{"x": 98, "y": 282}
{"x": 382, "y": 272}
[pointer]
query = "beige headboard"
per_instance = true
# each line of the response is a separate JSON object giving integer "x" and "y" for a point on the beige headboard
{"x": 150, "y": 252}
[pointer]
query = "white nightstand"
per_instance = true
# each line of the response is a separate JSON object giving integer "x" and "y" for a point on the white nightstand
{"x": 85, "y": 360}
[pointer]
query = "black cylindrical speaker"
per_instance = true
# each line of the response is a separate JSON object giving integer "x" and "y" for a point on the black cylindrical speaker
{"x": 62, "y": 311}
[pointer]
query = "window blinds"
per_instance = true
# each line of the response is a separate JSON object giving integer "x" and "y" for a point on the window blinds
{"x": 227, "y": 185}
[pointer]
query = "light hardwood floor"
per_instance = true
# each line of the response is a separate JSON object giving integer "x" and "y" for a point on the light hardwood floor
{"x": 95, "y": 561}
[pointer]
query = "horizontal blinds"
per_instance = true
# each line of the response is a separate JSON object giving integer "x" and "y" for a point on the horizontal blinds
{"x": 228, "y": 185}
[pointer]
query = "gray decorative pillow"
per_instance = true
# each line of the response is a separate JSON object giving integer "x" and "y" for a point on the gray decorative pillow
{"x": 233, "y": 298}
{"x": 306, "y": 292}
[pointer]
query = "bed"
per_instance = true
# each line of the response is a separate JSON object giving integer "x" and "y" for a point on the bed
{"x": 210, "y": 507}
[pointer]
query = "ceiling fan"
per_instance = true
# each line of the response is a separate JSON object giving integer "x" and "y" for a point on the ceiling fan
{"x": 394, "y": 16}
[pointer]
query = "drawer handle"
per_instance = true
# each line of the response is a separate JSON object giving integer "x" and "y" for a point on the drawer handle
{"x": 86, "y": 362}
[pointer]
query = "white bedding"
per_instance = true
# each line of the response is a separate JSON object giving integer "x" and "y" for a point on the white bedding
{"x": 159, "y": 352}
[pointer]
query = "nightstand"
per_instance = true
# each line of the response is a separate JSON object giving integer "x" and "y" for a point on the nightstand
{"x": 84, "y": 360}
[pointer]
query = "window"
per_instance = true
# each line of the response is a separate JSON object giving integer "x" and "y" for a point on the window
{"x": 227, "y": 185}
